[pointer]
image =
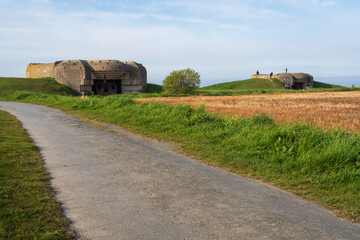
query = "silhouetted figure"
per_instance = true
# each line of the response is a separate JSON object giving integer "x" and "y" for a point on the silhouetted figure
{"x": 257, "y": 72}
{"x": 285, "y": 70}
{"x": 271, "y": 74}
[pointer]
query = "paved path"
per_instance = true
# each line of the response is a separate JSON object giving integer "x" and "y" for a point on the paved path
{"x": 112, "y": 187}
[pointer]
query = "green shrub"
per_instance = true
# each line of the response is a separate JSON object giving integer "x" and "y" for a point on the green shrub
{"x": 181, "y": 81}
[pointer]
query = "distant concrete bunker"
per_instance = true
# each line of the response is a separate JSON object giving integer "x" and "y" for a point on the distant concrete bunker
{"x": 101, "y": 77}
{"x": 294, "y": 80}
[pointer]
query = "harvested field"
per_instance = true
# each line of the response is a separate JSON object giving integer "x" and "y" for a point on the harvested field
{"x": 325, "y": 109}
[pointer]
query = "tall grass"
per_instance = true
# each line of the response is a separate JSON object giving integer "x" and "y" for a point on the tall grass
{"x": 322, "y": 165}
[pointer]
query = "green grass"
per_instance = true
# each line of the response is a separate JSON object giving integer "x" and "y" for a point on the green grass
{"x": 28, "y": 208}
{"x": 43, "y": 85}
{"x": 259, "y": 83}
{"x": 153, "y": 88}
{"x": 325, "y": 85}
{"x": 317, "y": 164}
{"x": 262, "y": 86}
{"x": 245, "y": 87}
{"x": 254, "y": 83}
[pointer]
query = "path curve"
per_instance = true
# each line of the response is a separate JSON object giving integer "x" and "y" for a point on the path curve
{"x": 112, "y": 187}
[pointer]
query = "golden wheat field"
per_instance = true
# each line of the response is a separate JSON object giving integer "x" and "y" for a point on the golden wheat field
{"x": 325, "y": 109}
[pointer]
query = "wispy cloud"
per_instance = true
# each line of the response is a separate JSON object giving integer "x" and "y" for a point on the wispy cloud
{"x": 329, "y": 3}
{"x": 324, "y": 3}
{"x": 227, "y": 10}
{"x": 224, "y": 40}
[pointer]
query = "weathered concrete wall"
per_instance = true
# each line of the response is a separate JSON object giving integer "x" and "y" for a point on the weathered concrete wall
{"x": 40, "y": 70}
{"x": 286, "y": 78}
{"x": 264, "y": 76}
{"x": 303, "y": 77}
{"x": 76, "y": 73}
{"x": 107, "y": 65}
{"x": 71, "y": 73}
{"x": 295, "y": 80}
{"x": 137, "y": 81}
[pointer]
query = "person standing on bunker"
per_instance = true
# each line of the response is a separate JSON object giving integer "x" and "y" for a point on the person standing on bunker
{"x": 271, "y": 74}
{"x": 257, "y": 72}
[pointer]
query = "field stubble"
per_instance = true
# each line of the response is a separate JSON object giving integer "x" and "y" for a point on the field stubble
{"x": 324, "y": 109}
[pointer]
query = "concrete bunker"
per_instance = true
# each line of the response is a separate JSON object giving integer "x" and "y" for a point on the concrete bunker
{"x": 101, "y": 77}
{"x": 295, "y": 81}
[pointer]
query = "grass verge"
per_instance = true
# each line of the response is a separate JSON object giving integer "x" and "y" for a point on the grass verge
{"x": 28, "y": 208}
{"x": 321, "y": 165}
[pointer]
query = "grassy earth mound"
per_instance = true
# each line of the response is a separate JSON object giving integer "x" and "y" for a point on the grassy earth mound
{"x": 254, "y": 83}
{"x": 325, "y": 85}
{"x": 37, "y": 85}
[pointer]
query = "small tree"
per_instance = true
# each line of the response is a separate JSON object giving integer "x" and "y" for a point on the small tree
{"x": 181, "y": 81}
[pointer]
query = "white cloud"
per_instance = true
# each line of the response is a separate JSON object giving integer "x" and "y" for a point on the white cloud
{"x": 222, "y": 40}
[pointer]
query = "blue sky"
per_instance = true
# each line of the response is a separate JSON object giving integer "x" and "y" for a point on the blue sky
{"x": 222, "y": 40}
